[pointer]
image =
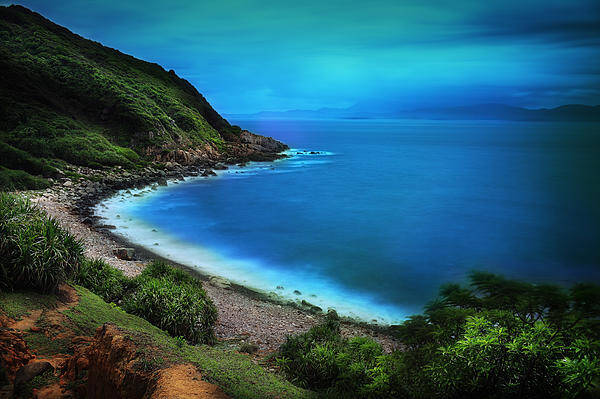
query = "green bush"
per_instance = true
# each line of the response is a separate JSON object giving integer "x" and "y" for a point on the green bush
{"x": 495, "y": 339}
{"x": 174, "y": 304}
{"x": 104, "y": 280}
{"x": 321, "y": 359}
{"x": 14, "y": 158}
{"x": 166, "y": 296}
{"x": 160, "y": 269}
{"x": 20, "y": 180}
{"x": 35, "y": 252}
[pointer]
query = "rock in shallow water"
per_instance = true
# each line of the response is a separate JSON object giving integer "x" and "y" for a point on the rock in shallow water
{"x": 219, "y": 282}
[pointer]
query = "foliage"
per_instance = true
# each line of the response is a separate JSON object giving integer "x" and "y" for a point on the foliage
{"x": 20, "y": 180}
{"x": 104, "y": 280}
{"x": 166, "y": 296}
{"x": 497, "y": 338}
{"x": 36, "y": 252}
{"x": 175, "y": 304}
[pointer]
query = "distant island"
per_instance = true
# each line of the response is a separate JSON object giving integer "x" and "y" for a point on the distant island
{"x": 564, "y": 113}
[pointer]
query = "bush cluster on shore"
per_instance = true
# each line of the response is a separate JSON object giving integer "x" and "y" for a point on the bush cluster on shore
{"x": 495, "y": 339}
{"x": 167, "y": 297}
{"x": 37, "y": 254}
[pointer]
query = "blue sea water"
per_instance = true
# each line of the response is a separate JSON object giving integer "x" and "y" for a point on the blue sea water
{"x": 387, "y": 212}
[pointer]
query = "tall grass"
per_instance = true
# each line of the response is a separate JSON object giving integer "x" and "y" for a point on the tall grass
{"x": 35, "y": 252}
{"x": 167, "y": 297}
{"x": 103, "y": 280}
{"x": 181, "y": 309}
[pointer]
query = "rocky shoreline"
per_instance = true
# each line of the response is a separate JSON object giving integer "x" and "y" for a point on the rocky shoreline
{"x": 245, "y": 316}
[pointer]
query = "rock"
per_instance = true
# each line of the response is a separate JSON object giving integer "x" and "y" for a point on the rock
{"x": 124, "y": 253}
{"x": 312, "y": 308}
{"x": 208, "y": 172}
{"x": 332, "y": 314}
{"x": 220, "y": 166}
{"x": 162, "y": 181}
{"x": 280, "y": 287}
{"x": 31, "y": 370}
{"x": 219, "y": 282}
{"x": 297, "y": 292}
{"x": 68, "y": 183}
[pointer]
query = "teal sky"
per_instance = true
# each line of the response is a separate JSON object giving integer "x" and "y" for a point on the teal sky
{"x": 248, "y": 56}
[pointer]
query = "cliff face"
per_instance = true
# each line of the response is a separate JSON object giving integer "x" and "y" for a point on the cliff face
{"x": 66, "y": 98}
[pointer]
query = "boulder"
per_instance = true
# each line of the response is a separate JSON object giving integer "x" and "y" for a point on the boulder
{"x": 30, "y": 370}
{"x": 219, "y": 282}
{"x": 124, "y": 253}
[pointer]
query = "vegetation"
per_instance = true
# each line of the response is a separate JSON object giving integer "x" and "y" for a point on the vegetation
{"x": 181, "y": 308}
{"x": 102, "y": 279}
{"x": 66, "y": 98}
{"x": 168, "y": 297}
{"x": 36, "y": 252}
{"x": 237, "y": 374}
{"x": 20, "y": 180}
{"x": 495, "y": 339}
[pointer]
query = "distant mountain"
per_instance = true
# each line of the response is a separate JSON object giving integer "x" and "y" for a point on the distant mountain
{"x": 570, "y": 112}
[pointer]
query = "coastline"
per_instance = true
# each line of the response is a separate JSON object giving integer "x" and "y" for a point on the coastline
{"x": 245, "y": 315}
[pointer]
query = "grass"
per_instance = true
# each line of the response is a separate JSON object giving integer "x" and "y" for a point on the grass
{"x": 234, "y": 372}
{"x": 42, "y": 345}
{"x": 36, "y": 252}
{"x": 168, "y": 297}
{"x": 18, "y": 304}
{"x": 106, "y": 281}
{"x": 11, "y": 179}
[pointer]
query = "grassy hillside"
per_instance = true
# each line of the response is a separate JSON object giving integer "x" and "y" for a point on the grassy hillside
{"x": 66, "y": 98}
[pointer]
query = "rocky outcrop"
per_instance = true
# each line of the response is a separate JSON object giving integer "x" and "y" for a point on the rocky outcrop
{"x": 14, "y": 353}
{"x": 247, "y": 146}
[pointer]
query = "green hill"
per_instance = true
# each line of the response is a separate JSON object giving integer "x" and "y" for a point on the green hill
{"x": 64, "y": 98}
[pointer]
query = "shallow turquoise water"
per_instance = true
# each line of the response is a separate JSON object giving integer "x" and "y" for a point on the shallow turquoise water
{"x": 389, "y": 212}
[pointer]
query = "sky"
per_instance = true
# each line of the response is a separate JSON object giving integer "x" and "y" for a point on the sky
{"x": 247, "y": 56}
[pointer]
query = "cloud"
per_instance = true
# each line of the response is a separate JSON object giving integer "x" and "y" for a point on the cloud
{"x": 248, "y": 55}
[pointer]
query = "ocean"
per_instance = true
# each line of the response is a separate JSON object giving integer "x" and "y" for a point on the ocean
{"x": 386, "y": 212}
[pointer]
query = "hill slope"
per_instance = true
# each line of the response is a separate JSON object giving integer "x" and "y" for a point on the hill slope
{"x": 66, "y": 98}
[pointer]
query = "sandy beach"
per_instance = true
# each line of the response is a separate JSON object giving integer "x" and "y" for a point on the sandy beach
{"x": 243, "y": 317}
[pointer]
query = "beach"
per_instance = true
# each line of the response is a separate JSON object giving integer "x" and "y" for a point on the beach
{"x": 244, "y": 316}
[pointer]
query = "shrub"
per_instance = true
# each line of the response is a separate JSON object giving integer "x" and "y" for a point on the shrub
{"x": 160, "y": 269}
{"x": 104, "y": 280}
{"x": 36, "y": 252}
{"x": 15, "y": 158}
{"x": 497, "y": 338}
{"x": 20, "y": 180}
{"x": 321, "y": 359}
{"x": 167, "y": 297}
{"x": 181, "y": 309}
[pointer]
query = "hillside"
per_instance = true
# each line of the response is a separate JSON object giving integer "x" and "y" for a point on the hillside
{"x": 64, "y": 98}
